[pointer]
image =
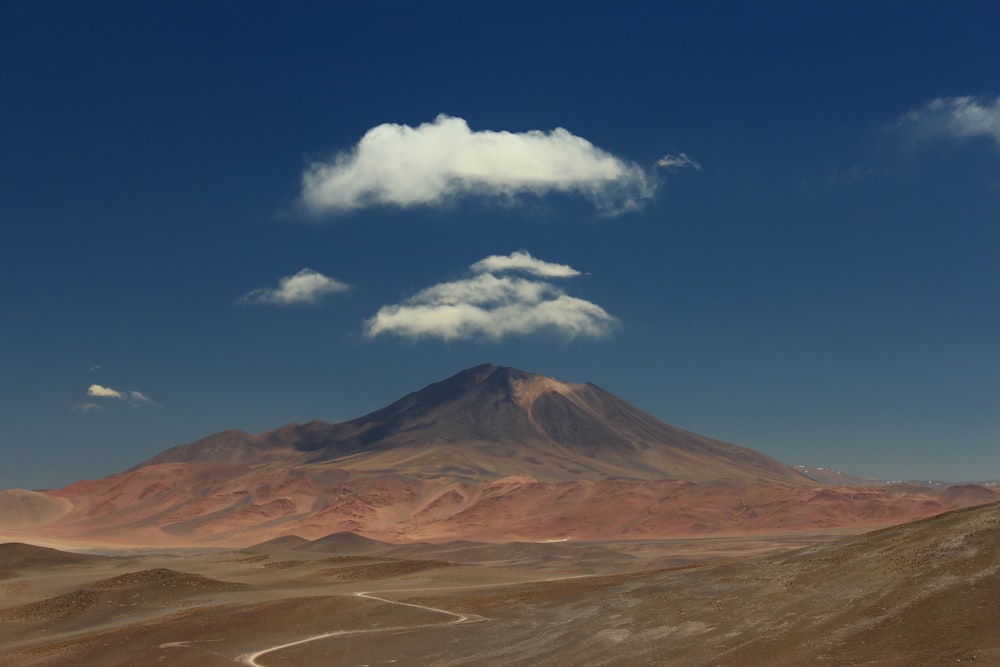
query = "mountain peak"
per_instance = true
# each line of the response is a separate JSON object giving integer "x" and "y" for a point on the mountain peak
{"x": 490, "y": 421}
{"x": 524, "y": 387}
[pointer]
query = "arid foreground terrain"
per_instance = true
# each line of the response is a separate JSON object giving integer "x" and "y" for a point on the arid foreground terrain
{"x": 922, "y": 593}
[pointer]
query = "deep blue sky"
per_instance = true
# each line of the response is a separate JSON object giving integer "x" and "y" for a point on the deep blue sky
{"x": 824, "y": 289}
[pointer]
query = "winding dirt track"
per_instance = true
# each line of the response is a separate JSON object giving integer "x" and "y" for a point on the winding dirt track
{"x": 251, "y": 658}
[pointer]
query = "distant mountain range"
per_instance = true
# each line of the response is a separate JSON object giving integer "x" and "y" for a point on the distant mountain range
{"x": 837, "y": 478}
{"x": 491, "y": 453}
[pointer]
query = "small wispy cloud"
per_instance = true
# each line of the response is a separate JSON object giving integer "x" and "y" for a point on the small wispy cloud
{"x": 132, "y": 398}
{"x": 306, "y": 286}
{"x": 679, "y": 161}
{"x": 404, "y": 166}
{"x": 521, "y": 260}
{"x": 957, "y": 117}
{"x": 137, "y": 398}
{"x": 85, "y": 408}
{"x": 492, "y": 305}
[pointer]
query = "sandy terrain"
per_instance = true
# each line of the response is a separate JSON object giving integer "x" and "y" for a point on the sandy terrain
{"x": 925, "y": 593}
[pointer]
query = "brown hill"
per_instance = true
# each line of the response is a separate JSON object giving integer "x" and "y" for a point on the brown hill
{"x": 16, "y": 556}
{"x": 283, "y": 543}
{"x": 20, "y": 508}
{"x": 123, "y": 598}
{"x": 344, "y": 543}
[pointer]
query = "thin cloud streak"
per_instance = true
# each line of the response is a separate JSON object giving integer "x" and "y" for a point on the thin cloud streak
{"x": 678, "y": 161}
{"x": 403, "y": 166}
{"x": 137, "y": 398}
{"x": 305, "y": 287}
{"x": 494, "y": 306}
{"x": 521, "y": 260}
{"x": 131, "y": 398}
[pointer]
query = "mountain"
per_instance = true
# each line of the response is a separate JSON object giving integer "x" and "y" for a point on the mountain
{"x": 490, "y": 422}
{"x": 491, "y": 454}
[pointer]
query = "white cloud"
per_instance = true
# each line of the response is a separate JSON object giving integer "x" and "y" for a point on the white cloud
{"x": 306, "y": 286}
{"x": 132, "y": 398}
{"x": 404, "y": 166}
{"x": 86, "y": 408}
{"x": 522, "y": 260}
{"x": 678, "y": 161}
{"x": 495, "y": 306}
{"x": 103, "y": 392}
{"x": 959, "y": 117}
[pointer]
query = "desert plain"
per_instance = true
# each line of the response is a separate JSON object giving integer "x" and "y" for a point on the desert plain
{"x": 925, "y": 592}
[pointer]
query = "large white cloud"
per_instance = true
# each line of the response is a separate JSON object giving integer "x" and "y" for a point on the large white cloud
{"x": 495, "y": 306}
{"x": 956, "y": 117}
{"x": 306, "y": 286}
{"x": 405, "y": 166}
